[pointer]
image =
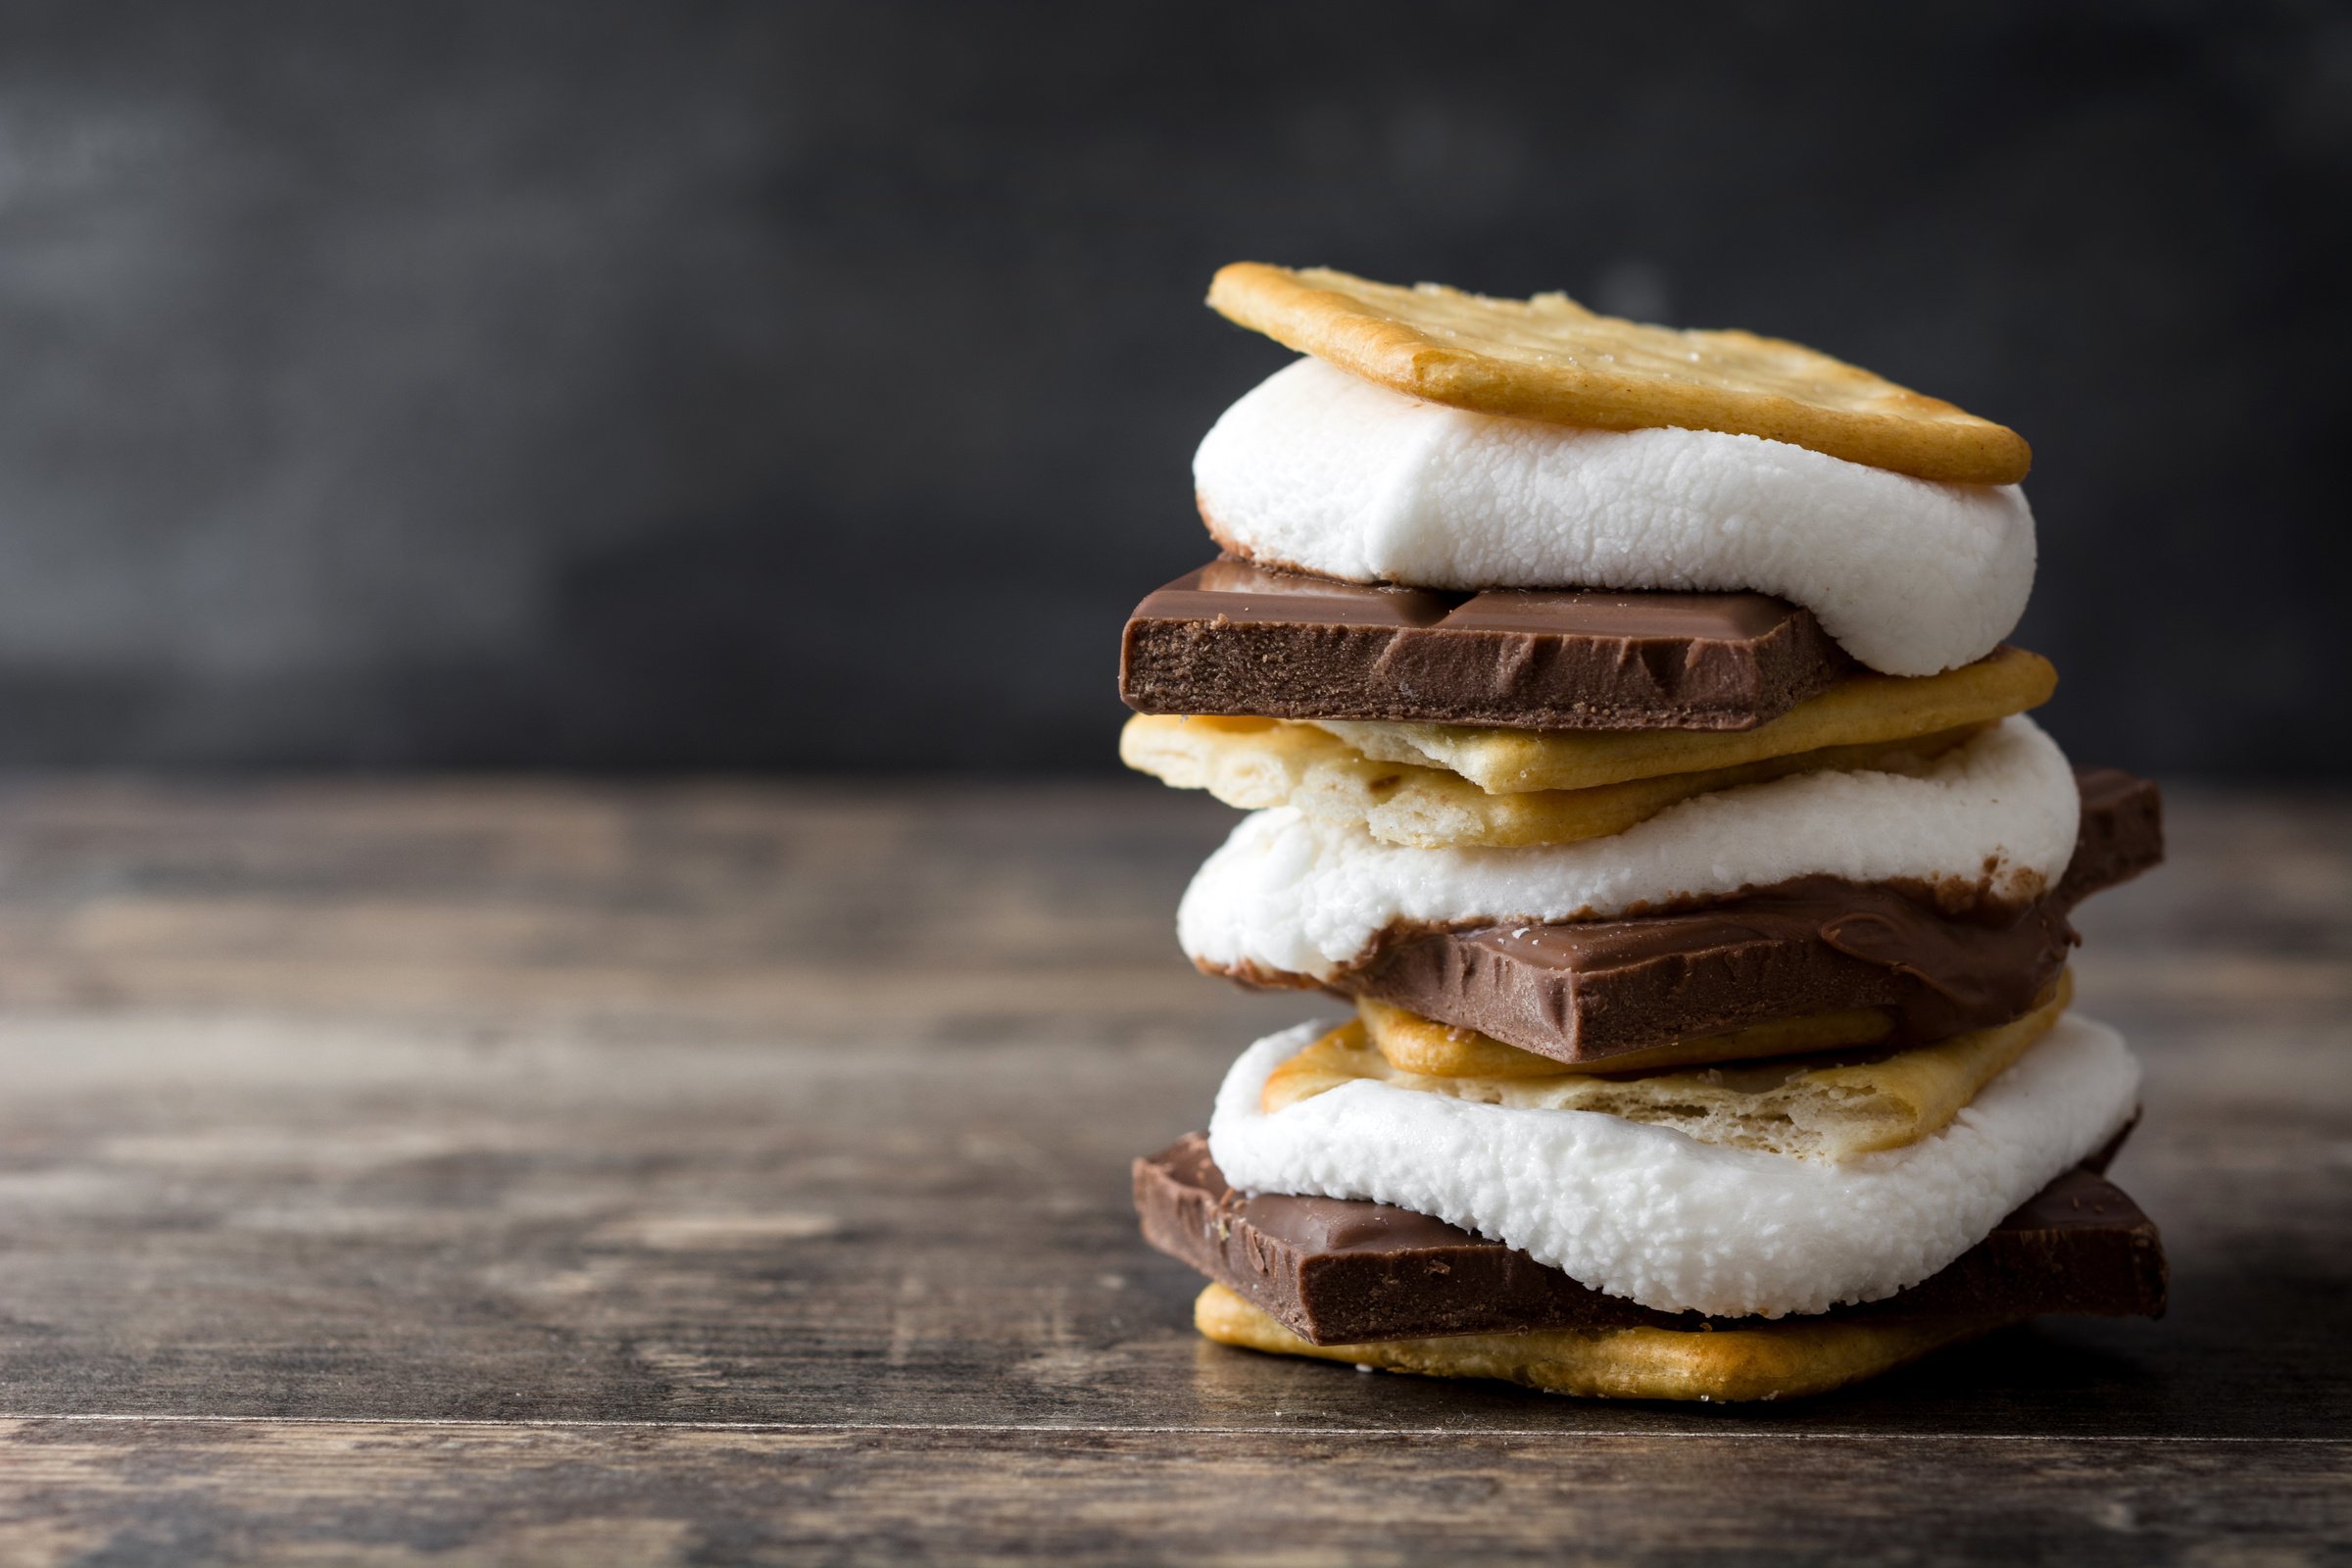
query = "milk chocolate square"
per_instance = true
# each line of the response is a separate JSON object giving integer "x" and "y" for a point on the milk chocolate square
{"x": 1340, "y": 1271}
{"x": 1235, "y": 638}
{"x": 1585, "y": 990}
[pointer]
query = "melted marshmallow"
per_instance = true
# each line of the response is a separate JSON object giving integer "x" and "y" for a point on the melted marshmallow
{"x": 1320, "y": 470}
{"x": 1291, "y": 894}
{"x": 1652, "y": 1215}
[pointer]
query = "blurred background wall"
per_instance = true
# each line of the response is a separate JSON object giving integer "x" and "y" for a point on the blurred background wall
{"x": 692, "y": 386}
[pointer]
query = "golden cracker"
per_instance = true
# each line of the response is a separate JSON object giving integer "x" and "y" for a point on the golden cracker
{"x": 1864, "y": 708}
{"x": 1259, "y": 762}
{"x": 1781, "y": 1359}
{"x": 1832, "y": 1109}
{"x": 1550, "y": 359}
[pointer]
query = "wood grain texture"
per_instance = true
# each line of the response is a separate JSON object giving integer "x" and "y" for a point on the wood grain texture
{"x": 366, "y": 1152}
{"x": 386, "y": 1494}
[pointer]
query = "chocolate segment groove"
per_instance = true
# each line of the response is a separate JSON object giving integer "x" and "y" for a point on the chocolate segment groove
{"x": 1236, "y": 638}
{"x": 1337, "y": 1271}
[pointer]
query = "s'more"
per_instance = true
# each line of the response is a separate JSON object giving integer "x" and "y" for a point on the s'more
{"x": 1630, "y": 741}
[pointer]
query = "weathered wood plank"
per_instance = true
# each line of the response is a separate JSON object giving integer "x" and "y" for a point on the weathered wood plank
{"x": 836, "y": 913}
{"x": 256, "y": 1217}
{"x": 385, "y": 1494}
{"x": 539, "y": 1102}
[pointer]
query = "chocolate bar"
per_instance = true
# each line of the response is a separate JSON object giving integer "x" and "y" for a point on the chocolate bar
{"x": 1338, "y": 1272}
{"x": 1588, "y": 989}
{"x": 1235, "y": 638}
{"x": 2118, "y": 835}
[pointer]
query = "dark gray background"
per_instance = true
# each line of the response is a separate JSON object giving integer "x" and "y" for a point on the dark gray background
{"x": 690, "y": 385}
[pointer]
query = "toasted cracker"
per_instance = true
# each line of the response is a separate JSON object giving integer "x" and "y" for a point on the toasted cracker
{"x": 1550, "y": 359}
{"x": 1258, "y": 763}
{"x": 1414, "y": 1043}
{"x": 1832, "y": 1108}
{"x": 1861, "y": 709}
{"x": 1770, "y": 1360}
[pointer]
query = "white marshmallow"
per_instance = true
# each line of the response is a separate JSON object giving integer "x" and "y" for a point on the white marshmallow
{"x": 1297, "y": 895}
{"x": 1648, "y": 1215}
{"x": 1323, "y": 471}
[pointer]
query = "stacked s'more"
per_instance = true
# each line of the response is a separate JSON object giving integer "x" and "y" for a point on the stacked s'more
{"x": 1629, "y": 734}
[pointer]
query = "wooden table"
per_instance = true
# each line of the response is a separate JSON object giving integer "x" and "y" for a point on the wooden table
{"x": 450, "y": 1172}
